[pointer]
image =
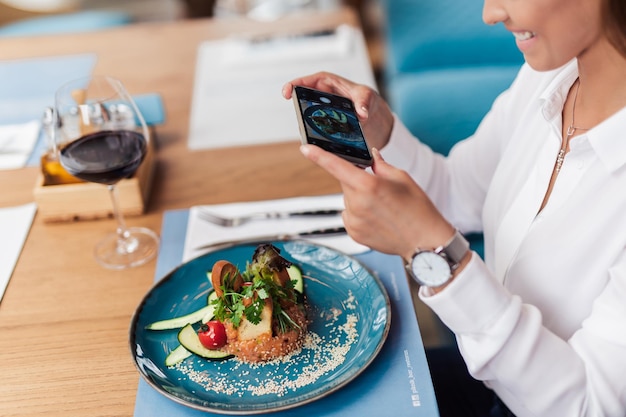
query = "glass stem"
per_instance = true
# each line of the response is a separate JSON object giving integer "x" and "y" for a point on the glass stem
{"x": 125, "y": 242}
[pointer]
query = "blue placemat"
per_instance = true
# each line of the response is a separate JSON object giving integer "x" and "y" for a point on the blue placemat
{"x": 28, "y": 87}
{"x": 397, "y": 382}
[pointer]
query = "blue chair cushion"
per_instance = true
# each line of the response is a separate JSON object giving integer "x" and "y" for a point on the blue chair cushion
{"x": 426, "y": 34}
{"x": 477, "y": 243}
{"x": 84, "y": 21}
{"x": 444, "y": 106}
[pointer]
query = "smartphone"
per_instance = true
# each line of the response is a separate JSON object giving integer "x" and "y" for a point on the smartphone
{"x": 330, "y": 122}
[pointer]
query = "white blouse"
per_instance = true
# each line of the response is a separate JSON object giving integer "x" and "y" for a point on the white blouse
{"x": 543, "y": 319}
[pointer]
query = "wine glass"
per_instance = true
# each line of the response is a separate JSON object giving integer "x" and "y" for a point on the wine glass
{"x": 101, "y": 137}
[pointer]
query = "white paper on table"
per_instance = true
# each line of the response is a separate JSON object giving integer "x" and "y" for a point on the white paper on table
{"x": 15, "y": 224}
{"x": 201, "y": 232}
{"x": 17, "y": 141}
{"x": 237, "y": 96}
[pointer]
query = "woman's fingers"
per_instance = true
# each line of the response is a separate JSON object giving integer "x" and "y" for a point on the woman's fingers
{"x": 361, "y": 95}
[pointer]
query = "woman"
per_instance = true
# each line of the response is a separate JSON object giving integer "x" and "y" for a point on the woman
{"x": 542, "y": 321}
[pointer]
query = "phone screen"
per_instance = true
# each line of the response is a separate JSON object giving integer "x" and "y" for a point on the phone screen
{"x": 330, "y": 122}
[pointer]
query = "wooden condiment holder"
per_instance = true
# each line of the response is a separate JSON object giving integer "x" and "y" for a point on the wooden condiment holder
{"x": 90, "y": 201}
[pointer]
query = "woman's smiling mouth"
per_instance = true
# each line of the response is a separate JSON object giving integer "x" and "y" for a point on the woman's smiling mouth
{"x": 524, "y": 36}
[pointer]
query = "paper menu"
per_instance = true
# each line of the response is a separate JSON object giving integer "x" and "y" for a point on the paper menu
{"x": 15, "y": 223}
{"x": 237, "y": 89}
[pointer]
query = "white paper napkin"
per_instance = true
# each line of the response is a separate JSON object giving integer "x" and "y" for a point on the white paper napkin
{"x": 16, "y": 143}
{"x": 15, "y": 224}
{"x": 201, "y": 232}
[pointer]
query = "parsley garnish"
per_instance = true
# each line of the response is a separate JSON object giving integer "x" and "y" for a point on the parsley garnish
{"x": 259, "y": 286}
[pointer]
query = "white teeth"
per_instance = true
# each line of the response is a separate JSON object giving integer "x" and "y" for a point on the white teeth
{"x": 523, "y": 36}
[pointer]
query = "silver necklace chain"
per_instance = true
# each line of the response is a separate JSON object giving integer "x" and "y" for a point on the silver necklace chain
{"x": 571, "y": 129}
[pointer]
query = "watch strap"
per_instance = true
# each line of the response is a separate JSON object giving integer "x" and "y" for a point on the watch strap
{"x": 455, "y": 249}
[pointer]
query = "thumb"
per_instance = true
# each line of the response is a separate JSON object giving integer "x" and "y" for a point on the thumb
{"x": 380, "y": 166}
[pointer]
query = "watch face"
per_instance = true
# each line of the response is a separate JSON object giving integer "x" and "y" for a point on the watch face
{"x": 431, "y": 269}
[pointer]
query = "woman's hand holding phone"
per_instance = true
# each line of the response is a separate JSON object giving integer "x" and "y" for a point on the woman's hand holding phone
{"x": 407, "y": 219}
{"x": 373, "y": 112}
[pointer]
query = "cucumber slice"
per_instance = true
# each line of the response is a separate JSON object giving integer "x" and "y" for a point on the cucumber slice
{"x": 205, "y": 314}
{"x": 178, "y": 322}
{"x": 177, "y": 355}
{"x": 189, "y": 339}
{"x": 295, "y": 274}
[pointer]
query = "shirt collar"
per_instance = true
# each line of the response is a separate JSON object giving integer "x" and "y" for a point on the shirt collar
{"x": 553, "y": 96}
{"x": 607, "y": 139}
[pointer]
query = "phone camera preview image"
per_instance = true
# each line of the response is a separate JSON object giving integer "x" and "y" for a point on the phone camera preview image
{"x": 332, "y": 124}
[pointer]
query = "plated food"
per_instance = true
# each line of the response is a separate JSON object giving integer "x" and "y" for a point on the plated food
{"x": 347, "y": 317}
{"x": 255, "y": 314}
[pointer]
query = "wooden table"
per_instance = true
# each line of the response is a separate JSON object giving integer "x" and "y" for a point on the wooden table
{"x": 64, "y": 320}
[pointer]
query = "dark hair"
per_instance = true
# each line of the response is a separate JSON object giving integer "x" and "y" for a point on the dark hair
{"x": 614, "y": 20}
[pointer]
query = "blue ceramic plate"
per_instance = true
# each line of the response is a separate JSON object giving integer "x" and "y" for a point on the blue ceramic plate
{"x": 350, "y": 314}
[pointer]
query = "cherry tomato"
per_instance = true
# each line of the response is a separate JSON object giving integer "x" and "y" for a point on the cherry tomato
{"x": 212, "y": 335}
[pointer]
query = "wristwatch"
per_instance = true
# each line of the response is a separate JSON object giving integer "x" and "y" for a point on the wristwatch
{"x": 434, "y": 268}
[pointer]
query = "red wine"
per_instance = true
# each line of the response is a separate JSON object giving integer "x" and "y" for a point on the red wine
{"x": 104, "y": 157}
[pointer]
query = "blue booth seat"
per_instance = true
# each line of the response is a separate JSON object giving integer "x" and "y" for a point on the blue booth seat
{"x": 432, "y": 34}
{"x": 443, "y": 106}
{"x": 83, "y": 21}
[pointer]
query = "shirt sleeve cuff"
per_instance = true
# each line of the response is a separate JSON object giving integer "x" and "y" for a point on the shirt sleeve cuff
{"x": 472, "y": 301}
